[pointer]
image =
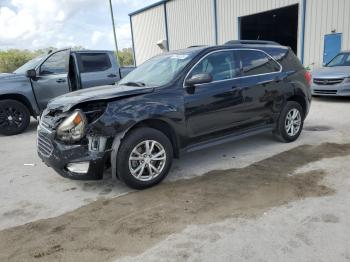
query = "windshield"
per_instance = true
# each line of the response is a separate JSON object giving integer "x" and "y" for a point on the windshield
{"x": 342, "y": 59}
{"x": 31, "y": 64}
{"x": 159, "y": 70}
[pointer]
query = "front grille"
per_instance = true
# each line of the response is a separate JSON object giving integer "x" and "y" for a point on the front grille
{"x": 325, "y": 92}
{"x": 326, "y": 82}
{"x": 45, "y": 147}
{"x": 44, "y": 124}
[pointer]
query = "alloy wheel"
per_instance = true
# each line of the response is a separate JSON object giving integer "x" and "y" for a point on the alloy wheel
{"x": 11, "y": 118}
{"x": 147, "y": 160}
{"x": 293, "y": 122}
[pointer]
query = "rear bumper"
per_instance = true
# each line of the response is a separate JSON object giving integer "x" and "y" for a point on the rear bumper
{"x": 58, "y": 155}
{"x": 342, "y": 89}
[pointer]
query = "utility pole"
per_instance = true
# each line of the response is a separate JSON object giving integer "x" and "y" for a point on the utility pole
{"x": 114, "y": 33}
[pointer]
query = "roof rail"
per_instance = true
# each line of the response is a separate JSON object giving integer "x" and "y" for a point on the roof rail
{"x": 251, "y": 42}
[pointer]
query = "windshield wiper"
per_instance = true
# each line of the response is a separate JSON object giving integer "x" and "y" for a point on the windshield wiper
{"x": 133, "y": 84}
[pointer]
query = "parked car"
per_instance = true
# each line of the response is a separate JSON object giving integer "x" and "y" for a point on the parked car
{"x": 334, "y": 78}
{"x": 176, "y": 102}
{"x": 26, "y": 91}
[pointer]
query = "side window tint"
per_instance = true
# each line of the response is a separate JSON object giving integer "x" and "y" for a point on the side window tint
{"x": 94, "y": 62}
{"x": 256, "y": 62}
{"x": 221, "y": 65}
{"x": 347, "y": 60}
{"x": 55, "y": 64}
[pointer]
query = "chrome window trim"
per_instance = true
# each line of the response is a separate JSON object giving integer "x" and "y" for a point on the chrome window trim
{"x": 240, "y": 77}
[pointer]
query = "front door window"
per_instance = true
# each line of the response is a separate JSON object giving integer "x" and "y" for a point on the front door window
{"x": 55, "y": 64}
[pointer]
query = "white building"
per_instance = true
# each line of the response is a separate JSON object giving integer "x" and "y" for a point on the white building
{"x": 315, "y": 29}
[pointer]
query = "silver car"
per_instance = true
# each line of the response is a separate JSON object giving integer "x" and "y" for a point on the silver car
{"x": 334, "y": 78}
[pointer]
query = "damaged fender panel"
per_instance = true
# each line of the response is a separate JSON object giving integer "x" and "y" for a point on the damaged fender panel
{"x": 107, "y": 128}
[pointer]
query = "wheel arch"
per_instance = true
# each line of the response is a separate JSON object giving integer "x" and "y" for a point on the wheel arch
{"x": 301, "y": 100}
{"x": 162, "y": 126}
{"x": 158, "y": 124}
{"x": 20, "y": 98}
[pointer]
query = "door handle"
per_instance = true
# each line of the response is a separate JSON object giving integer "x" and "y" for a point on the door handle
{"x": 112, "y": 75}
{"x": 60, "y": 80}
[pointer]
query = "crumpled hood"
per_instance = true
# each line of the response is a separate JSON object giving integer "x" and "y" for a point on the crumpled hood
{"x": 66, "y": 102}
{"x": 332, "y": 72}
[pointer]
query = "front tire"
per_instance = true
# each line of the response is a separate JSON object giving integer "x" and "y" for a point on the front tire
{"x": 144, "y": 158}
{"x": 290, "y": 122}
{"x": 14, "y": 117}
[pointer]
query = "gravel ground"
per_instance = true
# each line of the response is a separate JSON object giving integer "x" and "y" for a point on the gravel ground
{"x": 270, "y": 202}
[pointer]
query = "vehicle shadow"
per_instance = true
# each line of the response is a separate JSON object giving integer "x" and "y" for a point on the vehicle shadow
{"x": 106, "y": 187}
{"x": 32, "y": 126}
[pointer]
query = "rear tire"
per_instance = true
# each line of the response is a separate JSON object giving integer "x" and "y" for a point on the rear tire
{"x": 290, "y": 123}
{"x": 14, "y": 117}
{"x": 144, "y": 158}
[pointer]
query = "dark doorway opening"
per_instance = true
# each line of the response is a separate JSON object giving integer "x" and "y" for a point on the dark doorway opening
{"x": 280, "y": 25}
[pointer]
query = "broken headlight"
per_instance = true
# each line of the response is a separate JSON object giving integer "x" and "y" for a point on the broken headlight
{"x": 72, "y": 129}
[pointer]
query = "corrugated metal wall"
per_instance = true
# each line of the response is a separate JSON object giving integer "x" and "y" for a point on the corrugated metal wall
{"x": 322, "y": 17}
{"x": 148, "y": 29}
{"x": 190, "y": 22}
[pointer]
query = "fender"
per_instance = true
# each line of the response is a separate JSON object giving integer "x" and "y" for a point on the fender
{"x": 155, "y": 110}
{"x": 114, "y": 153}
{"x": 18, "y": 87}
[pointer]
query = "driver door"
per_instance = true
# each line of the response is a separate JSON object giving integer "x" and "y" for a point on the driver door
{"x": 52, "y": 78}
{"x": 212, "y": 107}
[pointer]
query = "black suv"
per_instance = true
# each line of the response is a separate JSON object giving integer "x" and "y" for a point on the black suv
{"x": 176, "y": 102}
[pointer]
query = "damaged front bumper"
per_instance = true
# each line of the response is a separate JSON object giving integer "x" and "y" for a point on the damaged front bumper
{"x": 85, "y": 161}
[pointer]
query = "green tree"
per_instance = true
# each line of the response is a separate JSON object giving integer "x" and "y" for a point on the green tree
{"x": 125, "y": 57}
{"x": 11, "y": 59}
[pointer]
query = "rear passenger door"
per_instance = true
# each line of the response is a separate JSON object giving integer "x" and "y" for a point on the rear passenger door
{"x": 97, "y": 69}
{"x": 260, "y": 86}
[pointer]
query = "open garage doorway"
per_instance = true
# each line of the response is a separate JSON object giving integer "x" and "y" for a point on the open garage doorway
{"x": 280, "y": 25}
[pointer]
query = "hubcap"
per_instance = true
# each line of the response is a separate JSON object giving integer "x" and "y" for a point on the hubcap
{"x": 10, "y": 118}
{"x": 147, "y": 160}
{"x": 293, "y": 122}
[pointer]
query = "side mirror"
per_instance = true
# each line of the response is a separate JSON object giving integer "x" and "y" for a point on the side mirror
{"x": 199, "y": 79}
{"x": 31, "y": 73}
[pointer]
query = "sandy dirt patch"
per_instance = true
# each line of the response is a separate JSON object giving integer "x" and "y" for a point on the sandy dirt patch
{"x": 130, "y": 224}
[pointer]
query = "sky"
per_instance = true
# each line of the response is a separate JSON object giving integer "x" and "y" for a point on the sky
{"x": 35, "y": 24}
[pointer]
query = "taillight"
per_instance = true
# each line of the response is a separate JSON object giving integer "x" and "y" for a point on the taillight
{"x": 308, "y": 77}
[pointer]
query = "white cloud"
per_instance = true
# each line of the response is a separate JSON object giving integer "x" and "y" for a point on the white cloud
{"x": 36, "y": 24}
{"x": 96, "y": 37}
{"x": 134, "y": 4}
{"x": 105, "y": 37}
{"x": 60, "y": 16}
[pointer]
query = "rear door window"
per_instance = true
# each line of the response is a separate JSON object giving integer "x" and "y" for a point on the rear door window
{"x": 255, "y": 62}
{"x": 221, "y": 65}
{"x": 94, "y": 62}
